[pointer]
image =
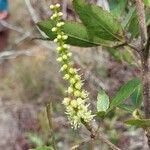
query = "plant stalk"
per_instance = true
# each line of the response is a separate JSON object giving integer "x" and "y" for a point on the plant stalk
{"x": 144, "y": 53}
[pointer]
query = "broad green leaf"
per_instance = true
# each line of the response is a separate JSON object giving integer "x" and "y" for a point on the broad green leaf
{"x": 138, "y": 122}
{"x": 44, "y": 148}
{"x": 98, "y": 22}
{"x": 136, "y": 97}
{"x": 77, "y": 33}
{"x": 125, "y": 91}
{"x": 102, "y": 101}
{"x": 127, "y": 108}
{"x": 117, "y": 7}
{"x": 147, "y": 2}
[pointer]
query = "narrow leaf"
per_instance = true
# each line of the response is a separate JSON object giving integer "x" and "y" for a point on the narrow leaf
{"x": 136, "y": 97}
{"x": 138, "y": 122}
{"x": 127, "y": 108}
{"x": 125, "y": 91}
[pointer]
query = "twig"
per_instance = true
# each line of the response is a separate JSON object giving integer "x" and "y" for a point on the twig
{"x": 99, "y": 136}
{"x": 33, "y": 14}
{"x": 142, "y": 22}
{"x": 77, "y": 146}
{"x": 9, "y": 26}
{"x": 144, "y": 53}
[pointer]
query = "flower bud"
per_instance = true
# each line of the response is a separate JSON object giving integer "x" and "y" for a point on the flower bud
{"x": 77, "y": 93}
{"x": 64, "y": 67}
{"x": 60, "y": 24}
{"x": 51, "y": 7}
{"x": 66, "y": 76}
{"x": 78, "y": 85}
{"x": 65, "y": 46}
{"x": 59, "y": 49}
{"x": 72, "y": 81}
{"x": 69, "y": 54}
{"x": 59, "y": 37}
{"x": 72, "y": 70}
{"x": 65, "y": 37}
{"x": 56, "y": 40}
{"x": 64, "y": 57}
{"x": 70, "y": 90}
{"x": 74, "y": 103}
{"x": 54, "y": 29}
{"x": 66, "y": 101}
{"x": 59, "y": 59}
{"x": 60, "y": 14}
{"x": 57, "y": 5}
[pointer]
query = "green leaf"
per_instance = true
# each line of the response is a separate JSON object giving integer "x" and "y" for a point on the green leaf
{"x": 138, "y": 122}
{"x": 136, "y": 97}
{"x": 147, "y": 2}
{"x": 130, "y": 22}
{"x": 127, "y": 108}
{"x": 98, "y": 22}
{"x": 124, "y": 55}
{"x": 117, "y": 7}
{"x": 77, "y": 34}
{"x": 148, "y": 16}
{"x": 102, "y": 101}
{"x": 125, "y": 91}
{"x": 44, "y": 148}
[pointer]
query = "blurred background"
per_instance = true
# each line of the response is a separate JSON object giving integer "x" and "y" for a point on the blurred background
{"x": 30, "y": 79}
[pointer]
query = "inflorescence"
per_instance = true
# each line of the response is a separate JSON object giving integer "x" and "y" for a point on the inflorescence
{"x": 75, "y": 102}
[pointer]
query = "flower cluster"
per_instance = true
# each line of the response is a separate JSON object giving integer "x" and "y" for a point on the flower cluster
{"x": 75, "y": 102}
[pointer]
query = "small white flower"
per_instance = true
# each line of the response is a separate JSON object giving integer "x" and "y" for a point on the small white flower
{"x": 64, "y": 67}
{"x": 69, "y": 54}
{"x": 60, "y": 24}
{"x": 66, "y": 46}
{"x": 66, "y": 101}
{"x": 54, "y": 29}
{"x": 59, "y": 59}
{"x": 56, "y": 40}
{"x": 64, "y": 57}
{"x": 77, "y": 93}
{"x": 66, "y": 76}
{"x": 72, "y": 81}
{"x": 59, "y": 37}
{"x": 65, "y": 37}
{"x": 74, "y": 103}
{"x": 51, "y": 7}
{"x": 57, "y": 5}
{"x": 70, "y": 90}
{"x": 60, "y": 14}
{"x": 78, "y": 85}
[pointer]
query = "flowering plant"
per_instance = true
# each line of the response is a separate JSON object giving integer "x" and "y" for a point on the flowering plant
{"x": 102, "y": 28}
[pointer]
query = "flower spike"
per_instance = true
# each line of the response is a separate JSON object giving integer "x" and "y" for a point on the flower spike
{"x": 75, "y": 102}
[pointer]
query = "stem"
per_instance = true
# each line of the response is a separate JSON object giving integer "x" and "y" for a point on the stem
{"x": 144, "y": 53}
{"x": 49, "y": 116}
{"x": 145, "y": 81}
{"x": 95, "y": 135}
{"x": 142, "y": 22}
